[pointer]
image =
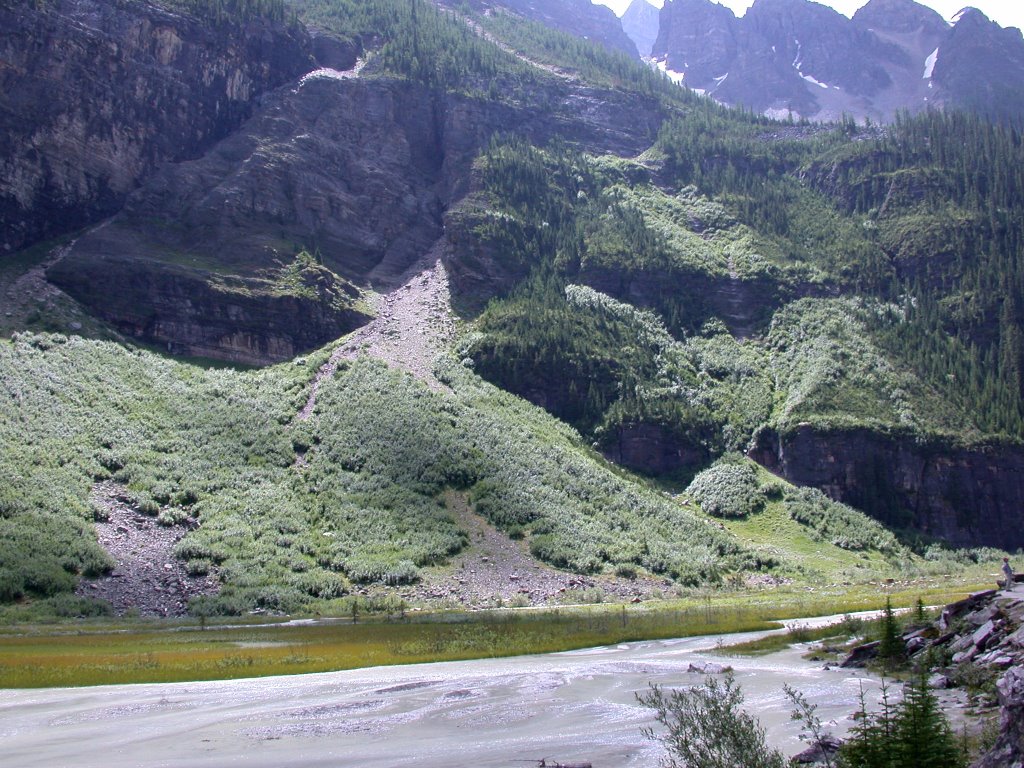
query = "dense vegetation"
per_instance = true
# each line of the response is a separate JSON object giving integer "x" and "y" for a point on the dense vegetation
{"x": 728, "y": 489}
{"x": 887, "y": 360}
{"x": 363, "y": 505}
{"x": 593, "y": 62}
{"x": 663, "y": 291}
{"x": 413, "y": 39}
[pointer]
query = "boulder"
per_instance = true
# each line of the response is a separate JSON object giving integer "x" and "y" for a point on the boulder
{"x": 962, "y": 656}
{"x": 709, "y": 668}
{"x": 1008, "y": 750}
{"x": 861, "y": 655}
{"x": 982, "y": 615}
{"x": 938, "y": 682}
{"x": 983, "y": 635}
{"x": 820, "y": 752}
{"x": 916, "y": 644}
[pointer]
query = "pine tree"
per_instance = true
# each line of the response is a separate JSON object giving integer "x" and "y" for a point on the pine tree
{"x": 891, "y": 650}
{"x": 922, "y": 735}
{"x": 870, "y": 742}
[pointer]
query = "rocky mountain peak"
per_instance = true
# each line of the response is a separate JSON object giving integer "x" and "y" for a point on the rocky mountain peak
{"x": 803, "y": 58}
{"x": 979, "y": 66}
{"x": 698, "y": 38}
{"x": 640, "y": 22}
{"x": 971, "y": 17}
{"x": 901, "y": 16}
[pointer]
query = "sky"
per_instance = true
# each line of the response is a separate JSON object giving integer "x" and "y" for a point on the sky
{"x": 1006, "y": 13}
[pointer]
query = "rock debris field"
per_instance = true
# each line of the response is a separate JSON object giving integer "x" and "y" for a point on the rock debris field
{"x": 413, "y": 326}
{"x": 147, "y": 577}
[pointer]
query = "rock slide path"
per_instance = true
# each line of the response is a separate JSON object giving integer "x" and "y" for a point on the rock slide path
{"x": 496, "y": 570}
{"x": 147, "y": 577}
{"x": 413, "y": 326}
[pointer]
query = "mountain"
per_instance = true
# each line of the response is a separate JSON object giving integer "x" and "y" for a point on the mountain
{"x": 640, "y": 22}
{"x": 580, "y": 18}
{"x": 474, "y": 277}
{"x": 798, "y": 57}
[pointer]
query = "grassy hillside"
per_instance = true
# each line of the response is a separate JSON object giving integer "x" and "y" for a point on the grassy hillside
{"x": 741, "y": 275}
{"x": 291, "y": 513}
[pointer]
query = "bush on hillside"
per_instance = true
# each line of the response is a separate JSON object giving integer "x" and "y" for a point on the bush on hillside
{"x": 837, "y": 523}
{"x": 728, "y": 489}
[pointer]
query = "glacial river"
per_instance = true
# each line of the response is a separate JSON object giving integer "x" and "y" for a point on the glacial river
{"x": 575, "y": 706}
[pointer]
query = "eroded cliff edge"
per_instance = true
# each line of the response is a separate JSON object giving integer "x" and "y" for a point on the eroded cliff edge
{"x": 966, "y": 495}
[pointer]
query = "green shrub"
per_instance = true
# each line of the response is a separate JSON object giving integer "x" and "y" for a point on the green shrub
{"x": 728, "y": 489}
{"x": 837, "y": 523}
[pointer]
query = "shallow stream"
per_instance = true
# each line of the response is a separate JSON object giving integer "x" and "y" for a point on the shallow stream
{"x": 570, "y": 707}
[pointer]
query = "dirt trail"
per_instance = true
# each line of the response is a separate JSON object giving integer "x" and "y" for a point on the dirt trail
{"x": 413, "y": 326}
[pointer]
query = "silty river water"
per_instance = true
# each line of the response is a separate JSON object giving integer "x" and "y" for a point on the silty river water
{"x": 570, "y": 707}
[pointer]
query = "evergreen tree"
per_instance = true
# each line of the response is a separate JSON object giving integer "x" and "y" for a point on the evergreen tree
{"x": 923, "y": 737}
{"x": 911, "y": 734}
{"x": 891, "y": 650}
{"x": 870, "y": 742}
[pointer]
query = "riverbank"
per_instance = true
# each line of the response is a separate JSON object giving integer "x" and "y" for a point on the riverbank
{"x": 83, "y": 654}
{"x": 571, "y": 706}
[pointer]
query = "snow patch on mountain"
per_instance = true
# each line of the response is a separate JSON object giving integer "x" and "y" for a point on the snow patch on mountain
{"x": 675, "y": 77}
{"x": 818, "y": 83}
{"x": 798, "y": 66}
{"x": 929, "y": 64}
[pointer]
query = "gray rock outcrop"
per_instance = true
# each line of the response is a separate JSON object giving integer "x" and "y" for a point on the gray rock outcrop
{"x": 94, "y": 96}
{"x": 967, "y": 496}
{"x": 640, "y": 22}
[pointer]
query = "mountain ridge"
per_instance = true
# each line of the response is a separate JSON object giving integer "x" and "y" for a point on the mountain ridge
{"x": 796, "y": 57}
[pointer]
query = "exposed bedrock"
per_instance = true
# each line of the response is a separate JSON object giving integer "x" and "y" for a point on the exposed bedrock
{"x": 358, "y": 171}
{"x": 966, "y": 496}
{"x": 94, "y": 96}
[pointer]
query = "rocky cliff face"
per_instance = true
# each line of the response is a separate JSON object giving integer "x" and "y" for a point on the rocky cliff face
{"x": 966, "y": 496}
{"x": 699, "y": 39}
{"x": 360, "y": 171}
{"x": 652, "y": 449}
{"x": 328, "y": 164}
{"x": 980, "y": 66}
{"x": 799, "y": 57}
{"x": 93, "y": 96}
{"x": 196, "y": 313}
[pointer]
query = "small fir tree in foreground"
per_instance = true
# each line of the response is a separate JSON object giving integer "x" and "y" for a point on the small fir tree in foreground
{"x": 911, "y": 734}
